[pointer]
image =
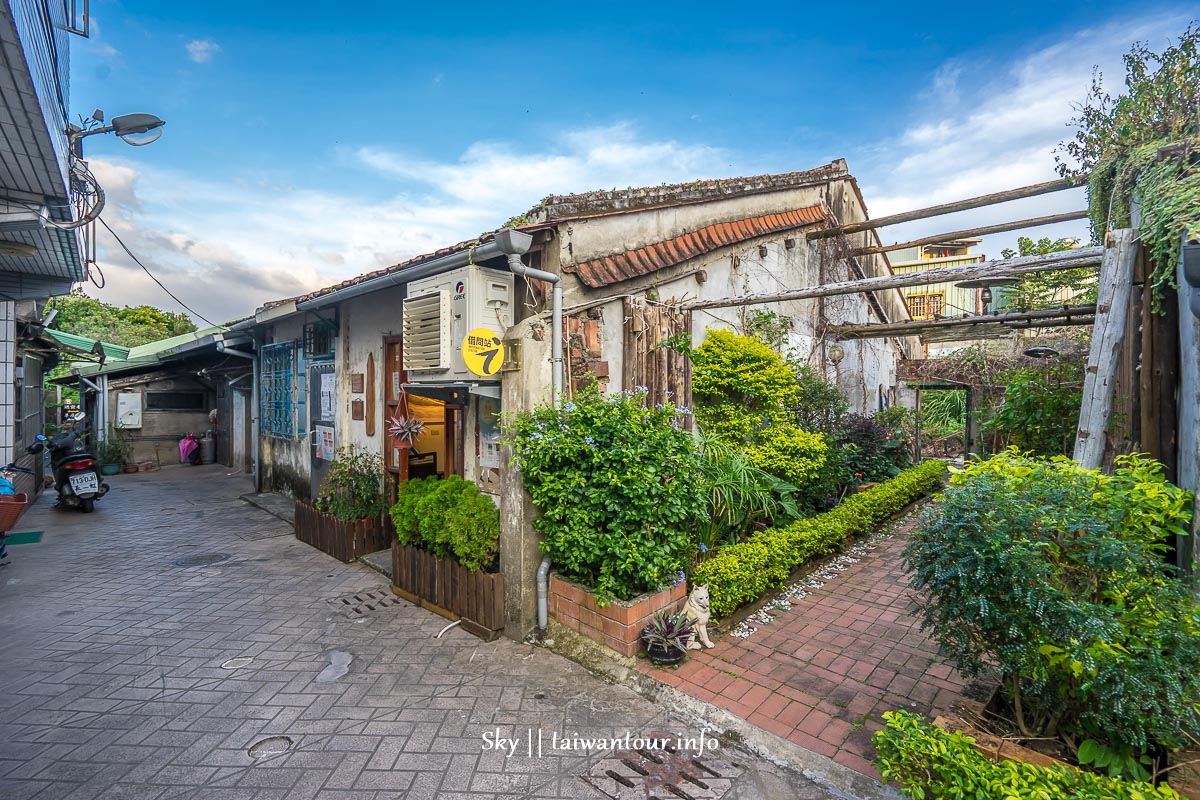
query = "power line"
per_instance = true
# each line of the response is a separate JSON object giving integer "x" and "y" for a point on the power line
{"x": 137, "y": 261}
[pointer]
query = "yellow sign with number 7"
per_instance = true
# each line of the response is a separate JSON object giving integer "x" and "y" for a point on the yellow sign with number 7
{"x": 483, "y": 352}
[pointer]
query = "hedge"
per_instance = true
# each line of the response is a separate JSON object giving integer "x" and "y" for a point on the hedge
{"x": 743, "y": 572}
{"x": 933, "y": 764}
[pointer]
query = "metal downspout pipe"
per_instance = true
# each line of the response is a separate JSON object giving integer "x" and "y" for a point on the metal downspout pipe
{"x": 223, "y": 349}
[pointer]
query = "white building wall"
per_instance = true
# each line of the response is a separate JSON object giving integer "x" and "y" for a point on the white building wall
{"x": 8, "y": 337}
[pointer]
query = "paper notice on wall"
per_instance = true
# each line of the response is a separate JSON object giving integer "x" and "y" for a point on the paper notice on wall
{"x": 395, "y": 385}
{"x": 325, "y": 449}
{"x": 327, "y": 392}
{"x": 489, "y": 433}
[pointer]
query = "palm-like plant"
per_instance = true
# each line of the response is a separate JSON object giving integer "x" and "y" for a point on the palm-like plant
{"x": 667, "y": 631}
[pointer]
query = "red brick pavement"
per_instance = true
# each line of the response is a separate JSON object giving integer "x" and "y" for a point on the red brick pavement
{"x": 823, "y": 673}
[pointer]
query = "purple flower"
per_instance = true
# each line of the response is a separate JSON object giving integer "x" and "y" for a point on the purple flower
{"x": 703, "y": 547}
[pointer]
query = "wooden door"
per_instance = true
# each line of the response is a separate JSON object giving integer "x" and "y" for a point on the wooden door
{"x": 394, "y": 458}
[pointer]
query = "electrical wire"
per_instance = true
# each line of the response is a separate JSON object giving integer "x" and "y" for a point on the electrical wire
{"x": 137, "y": 261}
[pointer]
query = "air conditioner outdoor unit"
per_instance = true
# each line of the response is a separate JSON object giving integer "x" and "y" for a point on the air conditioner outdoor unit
{"x": 442, "y": 311}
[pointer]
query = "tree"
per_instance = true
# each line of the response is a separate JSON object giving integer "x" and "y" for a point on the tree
{"x": 127, "y": 326}
{"x": 1052, "y": 289}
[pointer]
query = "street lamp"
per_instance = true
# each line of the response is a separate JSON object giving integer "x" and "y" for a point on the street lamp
{"x": 137, "y": 130}
{"x": 985, "y": 297}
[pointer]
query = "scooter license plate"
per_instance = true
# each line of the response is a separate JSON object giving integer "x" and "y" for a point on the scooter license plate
{"x": 85, "y": 483}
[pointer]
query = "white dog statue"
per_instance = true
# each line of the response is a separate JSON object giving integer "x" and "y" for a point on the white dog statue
{"x": 696, "y": 609}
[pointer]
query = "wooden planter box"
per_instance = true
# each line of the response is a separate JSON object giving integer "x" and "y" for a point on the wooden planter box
{"x": 446, "y": 587}
{"x": 619, "y": 624}
{"x": 345, "y": 541}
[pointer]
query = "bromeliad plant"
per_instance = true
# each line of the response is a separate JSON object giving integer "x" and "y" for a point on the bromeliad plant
{"x": 667, "y": 631}
{"x": 1055, "y": 575}
{"x": 405, "y": 429}
{"x": 618, "y": 487}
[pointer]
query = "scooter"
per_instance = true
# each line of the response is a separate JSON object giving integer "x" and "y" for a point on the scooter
{"x": 76, "y": 476}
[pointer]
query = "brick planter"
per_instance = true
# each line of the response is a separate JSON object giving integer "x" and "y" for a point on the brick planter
{"x": 618, "y": 625}
{"x": 345, "y": 541}
{"x": 446, "y": 587}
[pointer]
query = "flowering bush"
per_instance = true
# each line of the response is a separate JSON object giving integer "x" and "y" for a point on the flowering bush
{"x": 618, "y": 487}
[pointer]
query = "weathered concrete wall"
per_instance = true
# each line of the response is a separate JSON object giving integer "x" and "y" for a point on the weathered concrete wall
{"x": 158, "y": 438}
{"x": 286, "y": 463}
{"x": 519, "y": 551}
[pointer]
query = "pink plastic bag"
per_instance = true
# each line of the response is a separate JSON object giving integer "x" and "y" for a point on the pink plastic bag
{"x": 187, "y": 446}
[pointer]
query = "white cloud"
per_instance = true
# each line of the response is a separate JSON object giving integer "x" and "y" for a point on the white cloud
{"x": 202, "y": 50}
{"x": 1000, "y": 135}
{"x": 228, "y": 247}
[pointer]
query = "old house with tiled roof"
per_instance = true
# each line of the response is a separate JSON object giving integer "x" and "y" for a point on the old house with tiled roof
{"x": 458, "y": 336}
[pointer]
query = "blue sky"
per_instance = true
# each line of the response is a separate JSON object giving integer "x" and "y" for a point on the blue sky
{"x": 309, "y": 142}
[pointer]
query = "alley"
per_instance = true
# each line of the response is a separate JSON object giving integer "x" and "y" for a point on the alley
{"x": 148, "y": 647}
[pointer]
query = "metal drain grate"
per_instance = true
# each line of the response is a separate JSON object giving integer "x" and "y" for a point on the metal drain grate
{"x": 666, "y": 774}
{"x": 202, "y": 560}
{"x": 360, "y": 603}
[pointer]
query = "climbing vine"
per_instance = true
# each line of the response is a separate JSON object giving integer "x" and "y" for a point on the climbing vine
{"x": 1143, "y": 147}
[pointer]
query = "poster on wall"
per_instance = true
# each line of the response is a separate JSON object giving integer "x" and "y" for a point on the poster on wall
{"x": 327, "y": 391}
{"x": 325, "y": 449}
{"x": 489, "y": 433}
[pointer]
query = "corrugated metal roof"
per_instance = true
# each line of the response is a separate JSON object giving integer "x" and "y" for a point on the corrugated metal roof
{"x": 83, "y": 344}
{"x": 619, "y": 267}
{"x": 123, "y": 358}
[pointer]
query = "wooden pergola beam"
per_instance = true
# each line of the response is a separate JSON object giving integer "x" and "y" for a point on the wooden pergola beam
{"x": 1017, "y": 225}
{"x": 949, "y": 208}
{"x": 917, "y": 326}
{"x": 1051, "y": 262}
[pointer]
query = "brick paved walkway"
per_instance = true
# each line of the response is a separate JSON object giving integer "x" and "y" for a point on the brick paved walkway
{"x": 112, "y": 681}
{"x": 822, "y": 674}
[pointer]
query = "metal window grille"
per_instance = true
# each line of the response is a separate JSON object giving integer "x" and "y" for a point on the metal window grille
{"x": 926, "y": 306}
{"x": 282, "y": 379}
{"x": 319, "y": 340}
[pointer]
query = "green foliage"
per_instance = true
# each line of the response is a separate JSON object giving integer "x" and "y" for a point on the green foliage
{"x": 741, "y": 573}
{"x": 935, "y": 764}
{"x": 450, "y": 518}
{"x": 821, "y": 406}
{"x": 117, "y": 449}
{"x": 740, "y": 386}
{"x": 746, "y": 397}
{"x": 1040, "y": 412}
{"x": 474, "y": 526}
{"x": 943, "y": 411}
{"x": 1051, "y": 289}
{"x": 127, "y": 326}
{"x": 738, "y": 495}
{"x": 353, "y": 487}
{"x": 618, "y": 486}
{"x": 1118, "y": 142}
{"x": 768, "y": 327}
{"x": 1054, "y": 575}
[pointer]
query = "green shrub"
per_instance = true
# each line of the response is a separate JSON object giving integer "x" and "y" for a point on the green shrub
{"x": 474, "y": 526}
{"x": 746, "y": 396}
{"x": 1055, "y": 576}
{"x": 741, "y": 573}
{"x": 450, "y": 518}
{"x": 618, "y": 486}
{"x": 353, "y": 487}
{"x": 933, "y": 763}
{"x": 738, "y": 495}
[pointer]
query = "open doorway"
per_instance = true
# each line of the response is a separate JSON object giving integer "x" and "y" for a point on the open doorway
{"x": 945, "y": 422}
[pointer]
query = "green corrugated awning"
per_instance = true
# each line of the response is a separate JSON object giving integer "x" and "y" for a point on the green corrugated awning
{"x": 82, "y": 344}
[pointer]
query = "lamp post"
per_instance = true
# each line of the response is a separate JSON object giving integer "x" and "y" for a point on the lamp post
{"x": 985, "y": 297}
{"x": 137, "y": 130}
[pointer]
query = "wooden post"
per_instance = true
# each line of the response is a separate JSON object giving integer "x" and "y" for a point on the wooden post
{"x": 949, "y": 208}
{"x": 917, "y": 433}
{"x": 1021, "y": 265}
{"x": 1112, "y": 308}
{"x": 1015, "y": 225}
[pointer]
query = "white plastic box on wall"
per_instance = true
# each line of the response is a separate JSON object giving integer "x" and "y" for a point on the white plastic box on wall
{"x": 442, "y": 311}
{"x": 129, "y": 410}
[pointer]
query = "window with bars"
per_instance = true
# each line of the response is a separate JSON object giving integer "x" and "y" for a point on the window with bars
{"x": 281, "y": 374}
{"x": 926, "y": 306}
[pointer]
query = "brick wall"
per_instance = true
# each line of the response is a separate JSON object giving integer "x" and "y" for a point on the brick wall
{"x": 586, "y": 363}
{"x": 618, "y": 625}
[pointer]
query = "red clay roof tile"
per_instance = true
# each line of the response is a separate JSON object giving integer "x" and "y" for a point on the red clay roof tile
{"x": 619, "y": 267}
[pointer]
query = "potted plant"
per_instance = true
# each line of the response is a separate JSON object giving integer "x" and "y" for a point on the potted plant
{"x": 115, "y": 451}
{"x": 405, "y": 430}
{"x": 666, "y": 637}
{"x": 346, "y": 518}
